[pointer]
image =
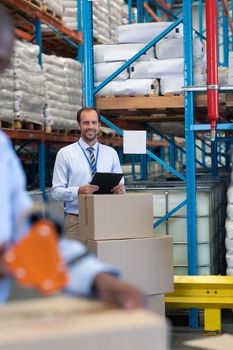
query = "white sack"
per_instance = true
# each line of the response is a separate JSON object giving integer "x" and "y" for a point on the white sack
{"x": 130, "y": 88}
{"x": 112, "y": 53}
{"x": 145, "y": 32}
{"x": 104, "y": 70}
{"x": 174, "y": 47}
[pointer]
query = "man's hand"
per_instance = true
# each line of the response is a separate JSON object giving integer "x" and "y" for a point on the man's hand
{"x": 115, "y": 291}
{"x": 2, "y": 269}
{"x": 88, "y": 189}
{"x": 119, "y": 189}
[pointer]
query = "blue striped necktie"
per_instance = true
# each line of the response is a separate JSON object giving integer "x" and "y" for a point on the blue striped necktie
{"x": 92, "y": 160}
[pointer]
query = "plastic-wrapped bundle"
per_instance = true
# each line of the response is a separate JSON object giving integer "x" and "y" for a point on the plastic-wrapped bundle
{"x": 157, "y": 68}
{"x": 145, "y": 32}
{"x": 7, "y": 95}
{"x": 230, "y": 194}
{"x": 121, "y": 52}
{"x": 160, "y": 68}
{"x": 174, "y": 48}
{"x": 229, "y": 228}
{"x": 130, "y": 88}
{"x": 73, "y": 70}
{"x": 28, "y": 84}
{"x": 104, "y": 70}
{"x": 229, "y": 246}
{"x": 230, "y": 211}
{"x": 63, "y": 91}
{"x": 70, "y": 14}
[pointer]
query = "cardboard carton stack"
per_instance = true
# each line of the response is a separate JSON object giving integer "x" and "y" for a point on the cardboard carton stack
{"x": 119, "y": 230}
{"x": 71, "y": 324}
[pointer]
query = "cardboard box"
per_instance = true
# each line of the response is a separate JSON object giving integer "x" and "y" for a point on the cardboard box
{"x": 73, "y": 324}
{"x": 116, "y": 216}
{"x": 156, "y": 304}
{"x": 146, "y": 262}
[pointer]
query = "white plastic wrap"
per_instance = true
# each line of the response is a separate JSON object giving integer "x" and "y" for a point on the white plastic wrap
{"x": 121, "y": 52}
{"x": 171, "y": 84}
{"x": 130, "y": 87}
{"x": 174, "y": 47}
{"x": 157, "y": 68}
{"x": 229, "y": 229}
{"x": 145, "y": 32}
{"x": 230, "y": 211}
{"x": 104, "y": 70}
{"x": 230, "y": 194}
{"x": 229, "y": 272}
{"x": 229, "y": 247}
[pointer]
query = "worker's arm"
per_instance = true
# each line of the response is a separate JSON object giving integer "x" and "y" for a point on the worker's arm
{"x": 89, "y": 276}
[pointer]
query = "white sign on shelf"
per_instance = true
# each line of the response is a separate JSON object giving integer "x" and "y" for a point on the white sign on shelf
{"x": 134, "y": 142}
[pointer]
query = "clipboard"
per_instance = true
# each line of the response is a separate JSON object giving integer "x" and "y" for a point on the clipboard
{"x": 106, "y": 181}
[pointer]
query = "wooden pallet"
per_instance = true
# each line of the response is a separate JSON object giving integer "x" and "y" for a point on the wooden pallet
{"x": 6, "y": 124}
{"x": 19, "y": 125}
{"x": 34, "y": 3}
{"x": 52, "y": 13}
{"x": 51, "y": 130}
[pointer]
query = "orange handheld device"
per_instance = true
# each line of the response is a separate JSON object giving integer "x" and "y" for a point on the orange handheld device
{"x": 35, "y": 260}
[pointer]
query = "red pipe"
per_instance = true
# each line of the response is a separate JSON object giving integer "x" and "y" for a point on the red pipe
{"x": 212, "y": 64}
{"x": 151, "y": 12}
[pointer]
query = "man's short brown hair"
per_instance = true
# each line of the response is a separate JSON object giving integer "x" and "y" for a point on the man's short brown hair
{"x": 87, "y": 109}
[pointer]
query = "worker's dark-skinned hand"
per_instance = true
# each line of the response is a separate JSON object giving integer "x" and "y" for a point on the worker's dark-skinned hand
{"x": 117, "y": 292}
{"x": 119, "y": 189}
{"x": 88, "y": 189}
{"x": 2, "y": 269}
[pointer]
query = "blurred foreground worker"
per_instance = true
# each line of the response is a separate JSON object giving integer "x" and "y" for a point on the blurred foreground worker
{"x": 87, "y": 276}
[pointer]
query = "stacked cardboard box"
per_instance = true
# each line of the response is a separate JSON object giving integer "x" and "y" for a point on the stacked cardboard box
{"x": 119, "y": 230}
{"x": 65, "y": 323}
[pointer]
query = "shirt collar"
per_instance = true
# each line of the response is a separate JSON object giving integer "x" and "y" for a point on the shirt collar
{"x": 84, "y": 145}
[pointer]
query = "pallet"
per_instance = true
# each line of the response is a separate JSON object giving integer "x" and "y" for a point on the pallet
{"x": 34, "y": 3}
{"x": 52, "y": 13}
{"x": 19, "y": 125}
{"x": 50, "y": 130}
{"x": 6, "y": 124}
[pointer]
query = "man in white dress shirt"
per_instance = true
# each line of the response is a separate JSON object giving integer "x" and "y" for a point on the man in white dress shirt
{"x": 75, "y": 165}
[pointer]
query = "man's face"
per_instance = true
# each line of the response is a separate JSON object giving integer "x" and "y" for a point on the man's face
{"x": 6, "y": 48}
{"x": 89, "y": 125}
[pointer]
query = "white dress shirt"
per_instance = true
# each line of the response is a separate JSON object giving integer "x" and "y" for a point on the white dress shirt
{"x": 73, "y": 170}
{"x": 14, "y": 202}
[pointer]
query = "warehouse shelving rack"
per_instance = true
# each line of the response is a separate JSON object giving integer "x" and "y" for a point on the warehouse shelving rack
{"x": 29, "y": 16}
{"x": 152, "y": 103}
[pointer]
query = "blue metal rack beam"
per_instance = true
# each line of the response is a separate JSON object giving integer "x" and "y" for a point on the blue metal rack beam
{"x": 190, "y": 149}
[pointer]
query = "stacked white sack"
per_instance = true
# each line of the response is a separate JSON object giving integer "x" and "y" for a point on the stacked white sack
{"x": 229, "y": 229}
{"x": 166, "y": 58}
{"x": 230, "y": 69}
{"x": 62, "y": 91}
{"x": 7, "y": 95}
{"x": 116, "y": 17}
{"x": 74, "y": 88}
{"x": 108, "y": 58}
{"x": 70, "y": 13}
{"x": 145, "y": 32}
{"x": 28, "y": 84}
{"x": 102, "y": 21}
